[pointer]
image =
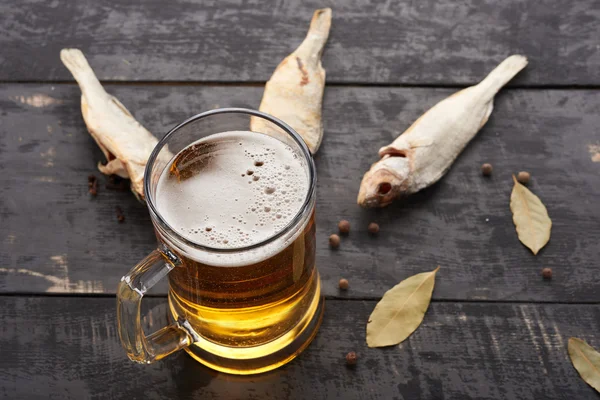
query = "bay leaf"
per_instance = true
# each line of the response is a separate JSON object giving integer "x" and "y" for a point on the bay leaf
{"x": 530, "y": 217}
{"x": 586, "y": 361}
{"x": 400, "y": 311}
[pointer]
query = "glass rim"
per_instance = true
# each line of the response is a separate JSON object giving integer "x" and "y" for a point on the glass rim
{"x": 304, "y": 209}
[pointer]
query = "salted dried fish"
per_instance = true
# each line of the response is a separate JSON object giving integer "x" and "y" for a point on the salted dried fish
{"x": 421, "y": 155}
{"x": 126, "y": 144}
{"x": 294, "y": 93}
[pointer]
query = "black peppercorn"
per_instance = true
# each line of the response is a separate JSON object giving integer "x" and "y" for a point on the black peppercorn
{"x": 351, "y": 358}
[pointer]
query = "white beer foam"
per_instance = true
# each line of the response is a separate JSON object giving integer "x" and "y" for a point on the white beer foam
{"x": 244, "y": 188}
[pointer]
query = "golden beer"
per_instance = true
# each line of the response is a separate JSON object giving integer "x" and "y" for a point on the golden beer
{"x": 234, "y": 214}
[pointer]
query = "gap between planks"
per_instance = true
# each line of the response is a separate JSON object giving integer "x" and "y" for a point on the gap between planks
{"x": 327, "y": 298}
{"x": 349, "y": 84}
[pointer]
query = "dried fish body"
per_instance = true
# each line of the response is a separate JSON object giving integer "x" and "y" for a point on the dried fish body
{"x": 294, "y": 93}
{"x": 421, "y": 155}
{"x": 126, "y": 144}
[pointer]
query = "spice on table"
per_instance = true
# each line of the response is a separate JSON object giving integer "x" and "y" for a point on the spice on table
{"x": 486, "y": 169}
{"x": 401, "y": 310}
{"x": 334, "y": 241}
{"x": 373, "y": 228}
{"x": 115, "y": 182}
{"x": 93, "y": 185}
{"x": 351, "y": 358}
{"x": 344, "y": 227}
{"x": 120, "y": 216}
{"x": 344, "y": 285}
{"x": 530, "y": 216}
{"x": 586, "y": 361}
{"x": 547, "y": 273}
{"x": 523, "y": 177}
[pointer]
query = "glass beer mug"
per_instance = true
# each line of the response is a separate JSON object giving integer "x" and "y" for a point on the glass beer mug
{"x": 234, "y": 214}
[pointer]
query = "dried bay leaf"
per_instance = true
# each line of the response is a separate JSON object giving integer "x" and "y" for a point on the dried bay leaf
{"x": 530, "y": 217}
{"x": 586, "y": 361}
{"x": 401, "y": 310}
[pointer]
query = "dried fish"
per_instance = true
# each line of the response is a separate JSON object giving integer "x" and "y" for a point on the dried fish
{"x": 424, "y": 152}
{"x": 294, "y": 93}
{"x": 126, "y": 144}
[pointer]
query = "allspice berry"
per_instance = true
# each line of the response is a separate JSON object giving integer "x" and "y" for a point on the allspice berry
{"x": 373, "y": 228}
{"x": 547, "y": 273}
{"x": 486, "y": 169}
{"x": 344, "y": 285}
{"x": 334, "y": 241}
{"x": 351, "y": 358}
{"x": 344, "y": 227}
{"x": 524, "y": 177}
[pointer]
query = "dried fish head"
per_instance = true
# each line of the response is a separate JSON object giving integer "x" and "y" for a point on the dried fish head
{"x": 385, "y": 181}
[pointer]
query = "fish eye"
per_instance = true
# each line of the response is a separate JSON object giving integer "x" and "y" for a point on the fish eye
{"x": 384, "y": 188}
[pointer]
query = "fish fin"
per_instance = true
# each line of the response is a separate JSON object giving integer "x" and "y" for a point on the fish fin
{"x": 502, "y": 74}
{"x": 138, "y": 191}
{"x": 114, "y": 167}
{"x": 313, "y": 44}
{"x": 77, "y": 64}
{"x": 402, "y": 149}
{"x": 487, "y": 114}
{"x": 392, "y": 151}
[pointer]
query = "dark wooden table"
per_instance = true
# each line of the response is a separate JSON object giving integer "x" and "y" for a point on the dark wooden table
{"x": 495, "y": 328}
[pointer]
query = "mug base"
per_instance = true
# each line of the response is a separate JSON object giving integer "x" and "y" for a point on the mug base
{"x": 266, "y": 357}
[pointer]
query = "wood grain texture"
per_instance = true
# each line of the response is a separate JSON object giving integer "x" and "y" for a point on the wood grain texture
{"x": 417, "y": 42}
{"x": 55, "y": 238}
{"x": 68, "y": 348}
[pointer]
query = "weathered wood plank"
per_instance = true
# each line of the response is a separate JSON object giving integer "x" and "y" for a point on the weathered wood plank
{"x": 55, "y": 238}
{"x": 419, "y": 42}
{"x": 68, "y": 348}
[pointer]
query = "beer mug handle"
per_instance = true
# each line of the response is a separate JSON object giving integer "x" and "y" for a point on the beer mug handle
{"x": 140, "y": 348}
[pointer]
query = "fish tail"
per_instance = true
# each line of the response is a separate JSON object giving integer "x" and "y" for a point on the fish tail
{"x": 317, "y": 35}
{"x": 502, "y": 74}
{"x": 77, "y": 64}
